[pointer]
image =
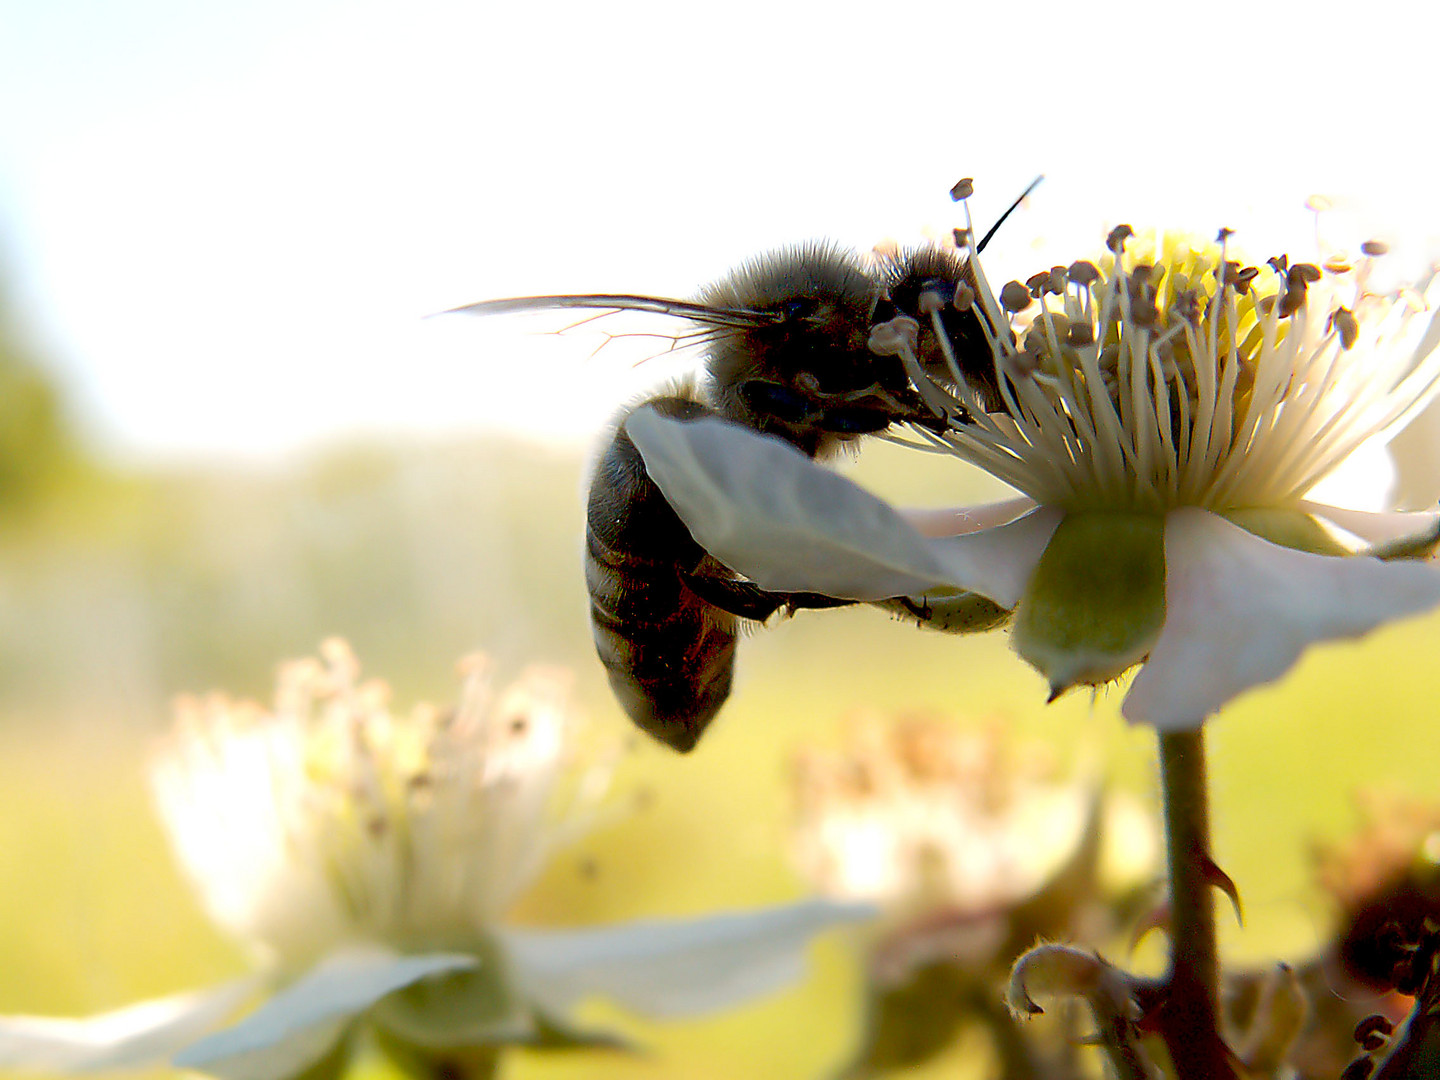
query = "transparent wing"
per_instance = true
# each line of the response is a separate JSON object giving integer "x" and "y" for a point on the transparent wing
{"x": 659, "y": 305}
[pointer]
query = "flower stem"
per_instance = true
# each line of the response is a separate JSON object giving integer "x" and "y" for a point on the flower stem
{"x": 1017, "y": 1054}
{"x": 475, "y": 1065}
{"x": 479, "y": 1062}
{"x": 1189, "y": 1019}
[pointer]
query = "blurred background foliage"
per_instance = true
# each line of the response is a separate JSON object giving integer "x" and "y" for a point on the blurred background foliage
{"x": 39, "y": 452}
{"x": 122, "y": 586}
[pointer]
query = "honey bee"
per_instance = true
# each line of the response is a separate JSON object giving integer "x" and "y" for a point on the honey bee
{"x": 786, "y": 354}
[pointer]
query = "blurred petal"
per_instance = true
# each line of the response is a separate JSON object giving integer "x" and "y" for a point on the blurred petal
{"x": 1240, "y": 610}
{"x": 673, "y": 967}
{"x": 296, "y": 1027}
{"x": 318, "y": 1050}
{"x": 146, "y": 1033}
{"x": 767, "y": 511}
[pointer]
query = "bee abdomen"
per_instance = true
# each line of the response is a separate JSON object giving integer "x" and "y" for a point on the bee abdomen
{"x": 669, "y": 655}
{"x": 672, "y": 672}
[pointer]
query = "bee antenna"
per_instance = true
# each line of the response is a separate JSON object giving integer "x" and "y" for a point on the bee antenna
{"x": 1023, "y": 195}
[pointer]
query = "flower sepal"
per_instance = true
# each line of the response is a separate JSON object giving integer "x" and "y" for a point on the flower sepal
{"x": 1421, "y": 545}
{"x": 469, "y": 1013}
{"x": 415, "y": 1063}
{"x": 1289, "y": 527}
{"x": 468, "y": 1007}
{"x": 481, "y": 1060}
{"x": 1096, "y": 602}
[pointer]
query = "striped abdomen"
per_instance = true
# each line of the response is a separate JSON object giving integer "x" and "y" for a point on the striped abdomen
{"x": 669, "y": 654}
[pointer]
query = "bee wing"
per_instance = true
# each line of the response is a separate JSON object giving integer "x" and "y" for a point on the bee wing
{"x": 704, "y": 314}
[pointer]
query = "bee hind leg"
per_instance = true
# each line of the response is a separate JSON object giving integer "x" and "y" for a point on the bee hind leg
{"x": 748, "y": 600}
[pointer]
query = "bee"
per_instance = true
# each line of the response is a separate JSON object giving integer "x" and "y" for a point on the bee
{"x": 786, "y": 354}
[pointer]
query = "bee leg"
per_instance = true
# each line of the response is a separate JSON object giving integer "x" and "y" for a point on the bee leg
{"x": 919, "y": 609}
{"x": 748, "y": 600}
{"x": 861, "y": 412}
{"x": 813, "y": 601}
{"x": 949, "y": 612}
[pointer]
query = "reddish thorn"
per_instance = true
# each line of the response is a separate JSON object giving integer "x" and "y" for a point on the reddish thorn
{"x": 1157, "y": 918}
{"x": 1218, "y": 879}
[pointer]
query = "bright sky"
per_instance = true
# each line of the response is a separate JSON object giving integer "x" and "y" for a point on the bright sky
{"x": 226, "y": 222}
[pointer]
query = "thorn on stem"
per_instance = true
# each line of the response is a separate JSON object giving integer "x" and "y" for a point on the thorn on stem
{"x": 1218, "y": 879}
{"x": 1157, "y": 918}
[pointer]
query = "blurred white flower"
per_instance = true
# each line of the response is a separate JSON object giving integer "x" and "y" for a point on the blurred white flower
{"x": 1165, "y": 417}
{"x": 368, "y": 859}
{"x": 330, "y": 820}
{"x": 918, "y": 815}
{"x": 974, "y": 847}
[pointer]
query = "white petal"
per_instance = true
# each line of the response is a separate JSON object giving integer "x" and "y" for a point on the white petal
{"x": 961, "y": 520}
{"x": 1376, "y": 528}
{"x": 672, "y": 967}
{"x": 766, "y": 510}
{"x": 998, "y": 562}
{"x": 144, "y": 1034}
{"x": 1240, "y": 610}
{"x": 284, "y": 1059}
{"x": 298, "y": 1025}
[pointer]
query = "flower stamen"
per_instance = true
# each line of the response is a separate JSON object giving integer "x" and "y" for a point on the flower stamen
{"x": 1171, "y": 375}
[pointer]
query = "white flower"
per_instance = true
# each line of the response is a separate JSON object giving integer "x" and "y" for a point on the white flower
{"x": 917, "y": 815}
{"x": 974, "y": 848}
{"x": 330, "y": 820}
{"x": 368, "y": 860}
{"x": 1164, "y": 417}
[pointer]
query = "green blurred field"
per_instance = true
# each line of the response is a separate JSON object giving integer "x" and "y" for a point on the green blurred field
{"x": 135, "y": 588}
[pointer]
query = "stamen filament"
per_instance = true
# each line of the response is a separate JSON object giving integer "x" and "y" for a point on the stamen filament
{"x": 1182, "y": 380}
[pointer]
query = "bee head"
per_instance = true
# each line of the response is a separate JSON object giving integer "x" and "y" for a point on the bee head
{"x": 944, "y": 274}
